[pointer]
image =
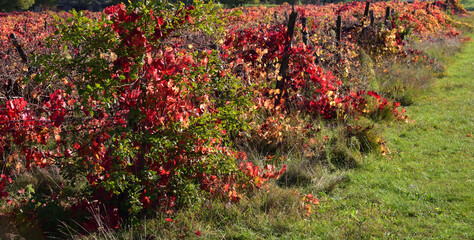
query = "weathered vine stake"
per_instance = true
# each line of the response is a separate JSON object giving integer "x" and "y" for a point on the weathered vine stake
{"x": 372, "y": 18}
{"x": 367, "y": 8}
{"x": 18, "y": 47}
{"x": 304, "y": 30}
{"x": 338, "y": 28}
{"x": 286, "y": 57}
{"x": 387, "y": 14}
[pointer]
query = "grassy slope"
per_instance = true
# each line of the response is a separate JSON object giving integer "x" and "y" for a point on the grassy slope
{"x": 424, "y": 188}
{"x": 468, "y": 4}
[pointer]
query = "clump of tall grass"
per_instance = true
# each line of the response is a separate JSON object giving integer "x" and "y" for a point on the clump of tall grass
{"x": 401, "y": 78}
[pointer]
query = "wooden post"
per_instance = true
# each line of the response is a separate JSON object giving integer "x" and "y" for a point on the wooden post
{"x": 372, "y": 18}
{"x": 17, "y": 45}
{"x": 284, "y": 65}
{"x": 338, "y": 28}
{"x": 304, "y": 30}
{"x": 387, "y": 14}
{"x": 367, "y": 8}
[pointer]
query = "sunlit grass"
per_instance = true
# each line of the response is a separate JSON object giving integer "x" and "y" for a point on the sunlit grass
{"x": 468, "y": 4}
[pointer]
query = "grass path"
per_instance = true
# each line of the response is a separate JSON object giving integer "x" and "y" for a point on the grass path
{"x": 425, "y": 189}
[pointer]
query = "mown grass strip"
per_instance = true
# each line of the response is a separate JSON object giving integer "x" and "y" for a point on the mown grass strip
{"x": 468, "y": 4}
{"x": 424, "y": 188}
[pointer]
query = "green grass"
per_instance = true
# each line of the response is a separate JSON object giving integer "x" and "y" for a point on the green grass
{"x": 468, "y": 4}
{"x": 424, "y": 188}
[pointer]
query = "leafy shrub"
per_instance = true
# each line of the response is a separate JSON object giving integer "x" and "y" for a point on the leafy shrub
{"x": 134, "y": 115}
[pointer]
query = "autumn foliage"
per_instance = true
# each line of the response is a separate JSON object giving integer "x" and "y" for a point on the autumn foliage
{"x": 148, "y": 121}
